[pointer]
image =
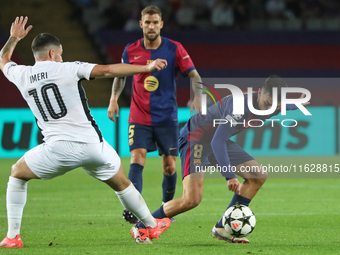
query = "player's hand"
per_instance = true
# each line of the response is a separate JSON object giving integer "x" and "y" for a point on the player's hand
{"x": 112, "y": 109}
{"x": 18, "y": 29}
{"x": 234, "y": 185}
{"x": 157, "y": 65}
{"x": 196, "y": 104}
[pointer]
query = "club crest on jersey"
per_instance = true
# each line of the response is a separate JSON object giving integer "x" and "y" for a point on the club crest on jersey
{"x": 151, "y": 83}
{"x": 131, "y": 141}
{"x": 149, "y": 61}
{"x": 197, "y": 162}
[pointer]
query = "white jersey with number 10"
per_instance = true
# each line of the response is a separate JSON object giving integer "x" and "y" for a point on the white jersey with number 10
{"x": 57, "y": 99}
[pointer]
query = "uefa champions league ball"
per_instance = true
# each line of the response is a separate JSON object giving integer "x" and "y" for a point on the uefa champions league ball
{"x": 239, "y": 220}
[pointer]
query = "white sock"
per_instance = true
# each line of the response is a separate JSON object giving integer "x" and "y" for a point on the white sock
{"x": 133, "y": 201}
{"x": 15, "y": 200}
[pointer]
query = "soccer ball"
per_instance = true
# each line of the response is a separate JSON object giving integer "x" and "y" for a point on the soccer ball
{"x": 239, "y": 220}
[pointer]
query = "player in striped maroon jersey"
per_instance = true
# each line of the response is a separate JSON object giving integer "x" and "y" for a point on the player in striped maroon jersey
{"x": 153, "y": 122}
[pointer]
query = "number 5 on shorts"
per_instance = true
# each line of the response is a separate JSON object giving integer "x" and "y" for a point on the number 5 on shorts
{"x": 131, "y": 131}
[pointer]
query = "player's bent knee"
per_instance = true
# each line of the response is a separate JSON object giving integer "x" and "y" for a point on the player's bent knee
{"x": 257, "y": 175}
{"x": 169, "y": 165}
{"x": 258, "y": 181}
{"x": 138, "y": 157}
{"x": 169, "y": 170}
{"x": 264, "y": 176}
{"x": 119, "y": 181}
{"x": 16, "y": 172}
{"x": 261, "y": 177}
{"x": 192, "y": 202}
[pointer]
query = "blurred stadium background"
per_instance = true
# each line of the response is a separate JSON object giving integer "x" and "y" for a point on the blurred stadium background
{"x": 225, "y": 38}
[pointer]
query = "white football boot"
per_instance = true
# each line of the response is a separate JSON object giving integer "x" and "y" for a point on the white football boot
{"x": 221, "y": 234}
{"x": 141, "y": 235}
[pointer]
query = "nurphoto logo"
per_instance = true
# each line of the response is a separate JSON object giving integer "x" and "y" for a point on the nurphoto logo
{"x": 238, "y": 105}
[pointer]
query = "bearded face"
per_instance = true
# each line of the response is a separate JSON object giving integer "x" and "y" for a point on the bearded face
{"x": 151, "y": 25}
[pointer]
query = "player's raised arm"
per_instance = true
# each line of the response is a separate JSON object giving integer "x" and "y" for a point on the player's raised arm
{"x": 117, "y": 88}
{"x": 17, "y": 32}
{"x": 196, "y": 82}
{"x": 123, "y": 70}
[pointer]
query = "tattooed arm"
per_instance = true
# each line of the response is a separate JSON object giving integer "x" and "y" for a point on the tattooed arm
{"x": 17, "y": 32}
{"x": 117, "y": 88}
{"x": 196, "y": 82}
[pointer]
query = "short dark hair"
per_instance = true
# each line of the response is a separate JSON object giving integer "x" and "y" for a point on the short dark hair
{"x": 274, "y": 81}
{"x": 43, "y": 40}
{"x": 151, "y": 10}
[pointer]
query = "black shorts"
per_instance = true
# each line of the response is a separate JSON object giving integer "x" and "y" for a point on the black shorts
{"x": 151, "y": 138}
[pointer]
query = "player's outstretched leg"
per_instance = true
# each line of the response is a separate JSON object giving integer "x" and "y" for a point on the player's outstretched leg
{"x": 153, "y": 233}
{"x": 141, "y": 236}
{"x": 162, "y": 225}
{"x": 133, "y": 201}
{"x": 192, "y": 196}
{"x": 15, "y": 200}
{"x": 12, "y": 243}
{"x": 136, "y": 177}
{"x": 169, "y": 179}
{"x": 16, "y": 197}
{"x": 218, "y": 230}
{"x": 219, "y": 233}
{"x": 138, "y": 157}
{"x": 251, "y": 185}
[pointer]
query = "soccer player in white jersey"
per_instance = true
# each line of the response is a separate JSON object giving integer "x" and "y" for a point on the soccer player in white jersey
{"x": 72, "y": 139}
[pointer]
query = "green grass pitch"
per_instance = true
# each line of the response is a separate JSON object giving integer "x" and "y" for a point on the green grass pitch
{"x": 76, "y": 214}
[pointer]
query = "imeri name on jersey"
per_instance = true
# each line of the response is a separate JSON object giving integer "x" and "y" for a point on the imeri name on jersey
{"x": 38, "y": 77}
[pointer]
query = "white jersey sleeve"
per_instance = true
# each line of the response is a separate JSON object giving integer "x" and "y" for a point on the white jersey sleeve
{"x": 79, "y": 70}
{"x": 13, "y": 71}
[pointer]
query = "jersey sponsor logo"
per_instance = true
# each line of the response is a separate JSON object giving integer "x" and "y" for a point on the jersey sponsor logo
{"x": 187, "y": 56}
{"x": 151, "y": 83}
{"x": 137, "y": 57}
